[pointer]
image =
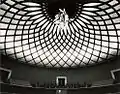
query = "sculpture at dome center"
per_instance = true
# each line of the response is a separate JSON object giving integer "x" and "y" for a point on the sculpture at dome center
{"x": 61, "y": 20}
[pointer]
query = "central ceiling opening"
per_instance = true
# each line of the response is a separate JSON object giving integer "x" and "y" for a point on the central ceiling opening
{"x": 70, "y": 7}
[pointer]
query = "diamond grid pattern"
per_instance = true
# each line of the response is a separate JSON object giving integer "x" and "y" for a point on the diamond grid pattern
{"x": 27, "y": 33}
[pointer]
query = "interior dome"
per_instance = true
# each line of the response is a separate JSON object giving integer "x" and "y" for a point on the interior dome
{"x": 32, "y": 33}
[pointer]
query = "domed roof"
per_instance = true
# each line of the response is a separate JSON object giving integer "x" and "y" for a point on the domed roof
{"x": 31, "y": 33}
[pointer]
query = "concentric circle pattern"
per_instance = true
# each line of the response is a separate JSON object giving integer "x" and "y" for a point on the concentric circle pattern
{"x": 28, "y": 34}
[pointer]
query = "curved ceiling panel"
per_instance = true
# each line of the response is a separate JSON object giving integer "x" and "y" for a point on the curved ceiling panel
{"x": 29, "y": 34}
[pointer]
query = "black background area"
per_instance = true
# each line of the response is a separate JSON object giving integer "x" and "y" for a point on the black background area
{"x": 53, "y": 8}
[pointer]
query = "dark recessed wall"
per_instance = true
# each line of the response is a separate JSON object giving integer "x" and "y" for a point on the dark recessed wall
{"x": 34, "y": 74}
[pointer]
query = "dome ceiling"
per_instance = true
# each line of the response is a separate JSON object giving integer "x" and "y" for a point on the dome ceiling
{"x": 66, "y": 35}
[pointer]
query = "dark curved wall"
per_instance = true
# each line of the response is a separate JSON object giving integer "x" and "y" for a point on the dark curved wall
{"x": 34, "y": 74}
